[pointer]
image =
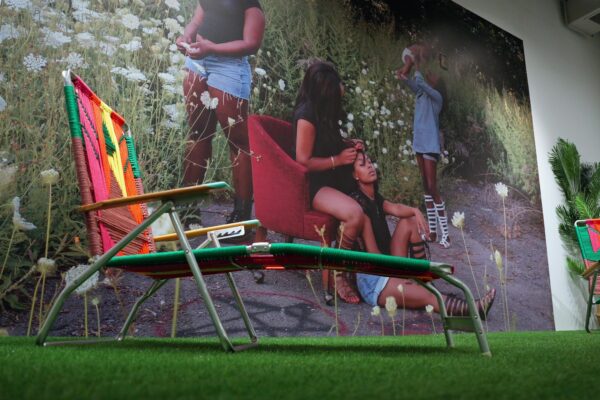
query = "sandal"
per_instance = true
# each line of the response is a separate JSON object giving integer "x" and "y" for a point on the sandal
{"x": 345, "y": 290}
{"x": 443, "y": 220}
{"x": 419, "y": 250}
{"x": 456, "y": 307}
{"x": 431, "y": 217}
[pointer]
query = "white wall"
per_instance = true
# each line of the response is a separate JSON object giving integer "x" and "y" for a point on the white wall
{"x": 563, "y": 70}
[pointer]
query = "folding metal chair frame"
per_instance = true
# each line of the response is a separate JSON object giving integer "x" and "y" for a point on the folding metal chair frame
{"x": 166, "y": 207}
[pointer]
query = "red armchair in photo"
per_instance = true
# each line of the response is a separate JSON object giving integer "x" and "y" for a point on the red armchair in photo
{"x": 281, "y": 194}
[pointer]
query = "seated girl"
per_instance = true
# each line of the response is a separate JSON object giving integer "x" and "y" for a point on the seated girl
{"x": 406, "y": 241}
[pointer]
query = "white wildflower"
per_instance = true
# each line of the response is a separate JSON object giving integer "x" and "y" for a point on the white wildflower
{"x": 19, "y": 222}
{"x": 74, "y": 61}
{"x": 150, "y": 30}
{"x": 173, "y": 27}
{"x": 2, "y": 77}
{"x": 166, "y": 77}
{"x": 350, "y": 117}
{"x": 401, "y": 288}
{"x": 376, "y": 133}
{"x": 209, "y": 103}
{"x": 163, "y": 225}
{"x": 358, "y": 90}
{"x": 391, "y": 306}
{"x": 49, "y": 176}
{"x": 281, "y": 85}
{"x": 256, "y": 91}
{"x": 85, "y": 39}
{"x": 384, "y": 150}
{"x": 171, "y": 89}
{"x": 260, "y": 71}
{"x": 429, "y": 308}
{"x": 458, "y": 220}
{"x": 364, "y": 71}
{"x": 95, "y": 301}
{"x": 18, "y": 4}
{"x": 134, "y": 45}
{"x": 76, "y": 272}
{"x": 497, "y": 258}
{"x": 174, "y": 4}
{"x": 130, "y": 73}
{"x": 107, "y": 48}
{"x": 8, "y": 32}
{"x": 172, "y": 110}
{"x": 405, "y": 152}
{"x": 230, "y": 121}
{"x": 130, "y": 21}
{"x": 46, "y": 266}
{"x": 376, "y": 311}
{"x": 55, "y": 39}
{"x": 7, "y": 177}
{"x": 2, "y": 104}
{"x": 408, "y": 142}
{"x": 501, "y": 189}
{"x": 349, "y": 126}
{"x": 34, "y": 63}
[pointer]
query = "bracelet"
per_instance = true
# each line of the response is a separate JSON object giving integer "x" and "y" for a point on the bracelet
{"x": 332, "y": 162}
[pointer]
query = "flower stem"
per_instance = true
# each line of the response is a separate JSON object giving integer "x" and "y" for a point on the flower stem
{"x": 403, "y": 312}
{"x": 97, "y": 319}
{"x": 506, "y": 268}
{"x": 382, "y": 330}
{"x": 393, "y": 326}
{"x": 85, "y": 315}
{"x": 432, "y": 323}
{"x": 40, "y": 312}
{"x": 462, "y": 232}
{"x": 12, "y": 236}
{"x": 33, "y": 301}
{"x": 175, "y": 307}
{"x": 48, "y": 219}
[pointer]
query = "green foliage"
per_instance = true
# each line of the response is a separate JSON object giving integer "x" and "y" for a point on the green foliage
{"x": 580, "y": 185}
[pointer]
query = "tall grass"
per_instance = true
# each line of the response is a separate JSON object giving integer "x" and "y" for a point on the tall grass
{"x": 34, "y": 134}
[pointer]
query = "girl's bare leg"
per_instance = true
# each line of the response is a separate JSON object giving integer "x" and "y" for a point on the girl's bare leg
{"x": 202, "y": 124}
{"x": 349, "y": 212}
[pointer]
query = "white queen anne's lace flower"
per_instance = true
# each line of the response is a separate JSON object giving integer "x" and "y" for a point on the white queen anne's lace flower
{"x": 75, "y": 272}
{"x": 376, "y": 311}
{"x": 18, "y": 220}
{"x": 34, "y": 63}
{"x": 391, "y": 306}
{"x": 502, "y": 190}
{"x": 429, "y": 308}
{"x": 208, "y": 102}
{"x": 8, "y": 32}
{"x": 458, "y": 220}
{"x": 55, "y": 39}
{"x": 46, "y": 266}
{"x": 130, "y": 21}
{"x": 260, "y": 72}
{"x": 18, "y": 4}
{"x": 166, "y": 77}
{"x": 7, "y": 177}
{"x": 74, "y": 61}
{"x": 134, "y": 45}
{"x": 49, "y": 176}
{"x": 174, "y": 4}
{"x": 281, "y": 85}
{"x": 2, "y": 104}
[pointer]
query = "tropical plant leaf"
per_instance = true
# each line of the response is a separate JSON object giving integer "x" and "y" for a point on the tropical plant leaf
{"x": 575, "y": 266}
{"x": 566, "y": 166}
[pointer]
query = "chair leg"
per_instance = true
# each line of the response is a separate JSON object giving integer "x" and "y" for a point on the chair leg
{"x": 475, "y": 320}
{"x": 95, "y": 267}
{"x": 189, "y": 255}
{"x": 442, "y": 308}
{"x": 134, "y": 310}
{"x": 588, "y": 314}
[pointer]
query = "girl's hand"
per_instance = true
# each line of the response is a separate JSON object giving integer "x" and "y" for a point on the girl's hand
{"x": 200, "y": 49}
{"x": 346, "y": 157}
{"x": 422, "y": 225}
{"x": 183, "y": 44}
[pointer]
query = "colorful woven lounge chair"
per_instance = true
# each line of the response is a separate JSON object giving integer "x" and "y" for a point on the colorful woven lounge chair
{"x": 134, "y": 251}
{"x": 588, "y": 235}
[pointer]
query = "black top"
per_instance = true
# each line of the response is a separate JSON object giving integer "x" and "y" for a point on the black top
{"x": 325, "y": 145}
{"x": 374, "y": 210}
{"x": 224, "y": 19}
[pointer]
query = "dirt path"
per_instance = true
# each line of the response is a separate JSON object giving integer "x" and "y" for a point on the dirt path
{"x": 284, "y": 305}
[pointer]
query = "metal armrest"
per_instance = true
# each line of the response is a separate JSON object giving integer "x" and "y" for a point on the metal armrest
{"x": 253, "y": 223}
{"x": 176, "y": 195}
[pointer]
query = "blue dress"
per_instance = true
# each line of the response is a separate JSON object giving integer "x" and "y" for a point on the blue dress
{"x": 426, "y": 125}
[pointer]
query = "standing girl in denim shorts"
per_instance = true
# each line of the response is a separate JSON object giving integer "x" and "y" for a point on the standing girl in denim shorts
{"x": 217, "y": 42}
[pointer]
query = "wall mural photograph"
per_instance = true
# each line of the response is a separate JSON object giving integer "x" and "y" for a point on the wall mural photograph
{"x": 401, "y": 128}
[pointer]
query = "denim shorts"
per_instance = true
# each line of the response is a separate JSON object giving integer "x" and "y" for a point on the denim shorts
{"x": 230, "y": 74}
{"x": 370, "y": 287}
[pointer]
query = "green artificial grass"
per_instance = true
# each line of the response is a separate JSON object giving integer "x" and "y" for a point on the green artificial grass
{"x": 524, "y": 365}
